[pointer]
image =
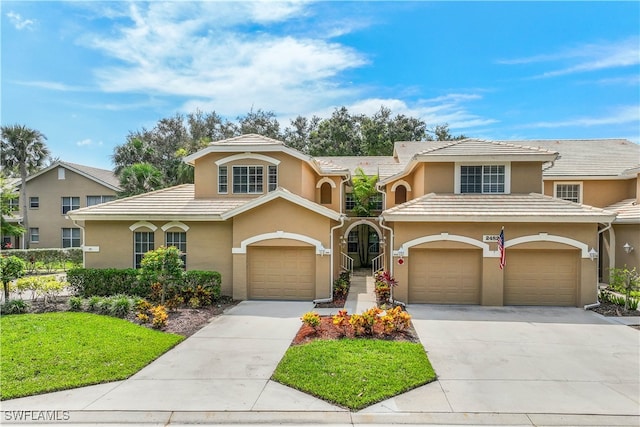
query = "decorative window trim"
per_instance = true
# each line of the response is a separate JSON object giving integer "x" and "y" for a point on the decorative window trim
{"x": 399, "y": 183}
{"x": 272, "y": 172}
{"x": 327, "y": 180}
{"x": 320, "y": 249}
{"x": 175, "y": 224}
{"x": 223, "y": 187}
{"x": 244, "y": 156}
{"x": 34, "y": 231}
{"x": 141, "y": 224}
{"x": 34, "y": 202}
{"x": 507, "y": 175}
{"x": 71, "y": 205}
{"x": 578, "y": 183}
{"x": 233, "y": 179}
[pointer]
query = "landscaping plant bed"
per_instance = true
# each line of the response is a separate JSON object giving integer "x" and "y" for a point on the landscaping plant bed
{"x": 336, "y": 303}
{"x": 611, "y": 309}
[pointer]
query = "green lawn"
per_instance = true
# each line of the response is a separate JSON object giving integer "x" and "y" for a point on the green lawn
{"x": 355, "y": 373}
{"x": 41, "y": 353}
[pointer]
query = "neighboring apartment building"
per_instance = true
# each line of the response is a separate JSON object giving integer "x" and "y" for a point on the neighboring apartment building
{"x": 54, "y": 191}
{"x": 277, "y": 223}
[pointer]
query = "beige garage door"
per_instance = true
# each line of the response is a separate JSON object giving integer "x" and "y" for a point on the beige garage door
{"x": 281, "y": 273}
{"x": 541, "y": 278}
{"x": 445, "y": 276}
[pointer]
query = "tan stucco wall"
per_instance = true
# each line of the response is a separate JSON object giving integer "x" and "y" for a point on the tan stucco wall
{"x": 627, "y": 233}
{"x": 526, "y": 177}
{"x": 336, "y": 202}
{"x": 438, "y": 178}
{"x": 492, "y": 276}
{"x": 208, "y": 246}
{"x": 599, "y": 193}
{"x": 50, "y": 190}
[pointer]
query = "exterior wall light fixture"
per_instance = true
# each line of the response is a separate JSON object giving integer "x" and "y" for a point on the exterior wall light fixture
{"x": 593, "y": 254}
{"x": 627, "y": 248}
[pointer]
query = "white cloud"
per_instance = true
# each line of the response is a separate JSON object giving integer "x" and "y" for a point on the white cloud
{"x": 19, "y": 22}
{"x": 88, "y": 142}
{"x": 51, "y": 86}
{"x": 585, "y": 58}
{"x": 621, "y": 115}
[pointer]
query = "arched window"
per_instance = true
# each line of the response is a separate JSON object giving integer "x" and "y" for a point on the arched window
{"x": 401, "y": 194}
{"x": 325, "y": 193}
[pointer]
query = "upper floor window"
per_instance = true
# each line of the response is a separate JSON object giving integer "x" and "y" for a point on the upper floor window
{"x": 70, "y": 237}
{"x": 482, "y": 179}
{"x": 61, "y": 173}
{"x": 14, "y": 204}
{"x": 178, "y": 239}
{"x": 34, "y": 202}
{"x": 349, "y": 201}
{"x": 96, "y": 200}
{"x": 374, "y": 242}
{"x": 273, "y": 177}
{"x": 571, "y": 192}
{"x": 325, "y": 193}
{"x": 34, "y": 235}
{"x": 142, "y": 243}
{"x": 248, "y": 179}
{"x": 69, "y": 204}
{"x": 376, "y": 202}
{"x": 223, "y": 180}
{"x": 352, "y": 241}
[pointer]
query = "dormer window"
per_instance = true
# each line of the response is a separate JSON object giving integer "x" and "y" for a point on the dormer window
{"x": 248, "y": 179}
{"x": 223, "y": 180}
{"x": 483, "y": 179}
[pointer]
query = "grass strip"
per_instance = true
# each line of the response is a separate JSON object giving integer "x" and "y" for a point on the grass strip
{"x": 41, "y": 353}
{"x": 355, "y": 373}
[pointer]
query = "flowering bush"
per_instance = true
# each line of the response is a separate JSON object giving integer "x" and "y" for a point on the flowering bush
{"x": 160, "y": 316}
{"x": 384, "y": 283}
{"x": 311, "y": 319}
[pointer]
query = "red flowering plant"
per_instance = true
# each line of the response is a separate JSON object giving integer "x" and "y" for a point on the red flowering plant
{"x": 384, "y": 282}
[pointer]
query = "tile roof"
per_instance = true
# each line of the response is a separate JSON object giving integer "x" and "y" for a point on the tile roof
{"x": 250, "y": 138}
{"x": 369, "y": 164}
{"x": 628, "y": 211}
{"x": 170, "y": 203}
{"x": 102, "y": 176}
{"x": 478, "y": 148}
{"x": 494, "y": 208}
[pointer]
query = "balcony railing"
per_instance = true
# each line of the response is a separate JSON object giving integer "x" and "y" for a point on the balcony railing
{"x": 377, "y": 264}
{"x": 346, "y": 262}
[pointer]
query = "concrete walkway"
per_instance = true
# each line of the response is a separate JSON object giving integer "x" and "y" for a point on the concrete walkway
{"x": 497, "y": 366}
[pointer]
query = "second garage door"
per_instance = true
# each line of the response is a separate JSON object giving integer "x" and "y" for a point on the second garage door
{"x": 281, "y": 273}
{"x": 445, "y": 276}
{"x": 541, "y": 278}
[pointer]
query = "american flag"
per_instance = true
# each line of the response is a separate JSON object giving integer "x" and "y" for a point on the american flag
{"x": 501, "y": 249}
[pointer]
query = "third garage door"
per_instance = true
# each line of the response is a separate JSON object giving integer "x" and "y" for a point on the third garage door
{"x": 281, "y": 273}
{"x": 445, "y": 276}
{"x": 541, "y": 278}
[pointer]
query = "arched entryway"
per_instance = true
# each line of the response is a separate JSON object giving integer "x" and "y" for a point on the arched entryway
{"x": 363, "y": 241}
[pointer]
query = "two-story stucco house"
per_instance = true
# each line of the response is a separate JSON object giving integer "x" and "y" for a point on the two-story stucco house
{"x": 54, "y": 191}
{"x": 277, "y": 223}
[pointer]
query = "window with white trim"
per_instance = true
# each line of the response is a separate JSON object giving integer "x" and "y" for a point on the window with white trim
{"x": 34, "y": 235}
{"x": 376, "y": 202}
{"x": 349, "y": 201}
{"x": 223, "y": 180}
{"x": 96, "y": 200}
{"x": 34, "y": 202}
{"x": 70, "y": 237}
{"x": 273, "y": 177}
{"x": 69, "y": 204}
{"x": 570, "y": 192}
{"x": 142, "y": 243}
{"x": 61, "y": 173}
{"x": 14, "y": 204}
{"x": 248, "y": 179}
{"x": 178, "y": 239}
{"x": 482, "y": 179}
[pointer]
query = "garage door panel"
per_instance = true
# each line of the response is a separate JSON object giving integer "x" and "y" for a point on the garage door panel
{"x": 281, "y": 273}
{"x": 445, "y": 276}
{"x": 541, "y": 278}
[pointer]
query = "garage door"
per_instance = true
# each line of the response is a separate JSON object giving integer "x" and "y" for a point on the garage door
{"x": 445, "y": 276}
{"x": 281, "y": 273}
{"x": 541, "y": 278}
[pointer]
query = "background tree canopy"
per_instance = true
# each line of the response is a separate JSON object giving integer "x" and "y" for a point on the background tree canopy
{"x": 342, "y": 134}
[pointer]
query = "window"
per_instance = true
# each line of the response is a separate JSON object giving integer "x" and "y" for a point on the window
{"x": 247, "y": 179}
{"x": 223, "y": 180}
{"x": 325, "y": 194}
{"x": 96, "y": 200}
{"x": 570, "y": 192}
{"x": 70, "y": 237}
{"x": 349, "y": 202}
{"x": 352, "y": 241}
{"x": 142, "y": 243}
{"x": 34, "y": 202}
{"x": 273, "y": 177}
{"x": 401, "y": 194}
{"x": 14, "y": 204}
{"x": 61, "y": 173}
{"x": 34, "y": 235}
{"x": 482, "y": 179}
{"x": 374, "y": 242}
{"x": 179, "y": 240}
{"x": 376, "y": 202}
{"x": 70, "y": 203}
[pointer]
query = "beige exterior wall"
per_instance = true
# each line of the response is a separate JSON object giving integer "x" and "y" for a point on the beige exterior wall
{"x": 526, "y": 177}
{"x": 599, "y": 193}
{"x": 50, "y": 190}
{"x": 627, "y": 233}
{"x": 439, "y": 178}
{"x": 492, "y": 277}
{"x": 336, "y": 201}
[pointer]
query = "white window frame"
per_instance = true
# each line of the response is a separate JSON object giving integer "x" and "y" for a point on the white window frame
{"x": 61, "y": 173}
{"x": 560, "y": 183}
{"x": 70, "y": 205}
{"x": 181, "y": 244}
{"x": 34, "y": 202}
{"x": 223, "y": 172}
{"x": 71, "y": 237}
{"x": 14, "y": 204}
{"x": 507, "y": 176}
{"x": 349, "y": 199}
{"x": 272, "y": 177}
{"x": 34, "y": 235}
{"x": 259, "y": 173}
{"x": 102, "y": 198}
{"x": 150, "y": 245}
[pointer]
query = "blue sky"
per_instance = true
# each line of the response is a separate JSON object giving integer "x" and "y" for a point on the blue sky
{"x": 85, "y": 74}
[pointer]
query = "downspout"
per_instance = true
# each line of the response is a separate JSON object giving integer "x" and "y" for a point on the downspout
{"x": 597, "y": 303}
{"x": 322, "y": 300}
{"x": 83, "y": 237}
{"x": 390, "y": 230}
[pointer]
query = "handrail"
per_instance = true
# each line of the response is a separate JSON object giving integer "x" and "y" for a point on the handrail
{"x": 346, "y": 262}
{"x": 377, "y": 264}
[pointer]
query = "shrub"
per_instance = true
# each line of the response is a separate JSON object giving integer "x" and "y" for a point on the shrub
{"x": 395, "y": 320}
{"x": 163, "y": 265}
{"x": 311, "y": 319}
{"x": 16, "y": 306}
{"x": 341, "y": 285}
{"x": 88, "y": 282}
{"x": 50, "y": 259}
{"x": 341, "y": 320}
{"x": 120, "y": 306}
{"x": 384, "y": 283}
{"x": 75, "y": 304}
{"x": 160, "y": 316}
{"x": 11, "y": 267}
{"x": 363, "y": 324}
{"x": 92, "y": 303}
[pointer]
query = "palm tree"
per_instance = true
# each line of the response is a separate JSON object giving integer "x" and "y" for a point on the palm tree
{"x": 23, "y": 149}
{"x": 140, "y": 178}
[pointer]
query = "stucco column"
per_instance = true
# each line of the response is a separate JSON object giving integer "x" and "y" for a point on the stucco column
{"x": 492, "y": 282}
{"x": 240, "y": 276}
{"x": 401, "y": 274}
{"x": 323, "y": 276}
{"x": 588, "y": 292}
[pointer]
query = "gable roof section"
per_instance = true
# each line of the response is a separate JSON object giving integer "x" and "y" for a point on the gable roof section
{"x": 253, "y": 143}
{"x": 495, "y": 208}
{"x": 174, "y": 203}
{"x": 369, "y": 164}
{"x": 102, "y": 176}
{"x": 281, "y": 193}
{"x": 628, "y": 211}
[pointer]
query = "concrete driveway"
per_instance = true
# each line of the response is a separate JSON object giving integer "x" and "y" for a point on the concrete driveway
{"x": 524, "y": 360}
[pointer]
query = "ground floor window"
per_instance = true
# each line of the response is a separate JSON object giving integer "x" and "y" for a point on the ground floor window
{"x": 70, "y": 237}
{"x": 179, "y": 240}
{"x": 142, "y": 243}
{"x": 352, "y": 241}
{"x": 374, "y": 242}
{"x": 34, "y": 235}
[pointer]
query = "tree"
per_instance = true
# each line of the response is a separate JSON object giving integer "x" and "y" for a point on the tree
{"x": 6, "y": 196}
{"x": 442, "y": 133}
{"x": 140, "y": 178}
{"x": 11, "y": 267}
{"x": 364, "y": 190}
{"x": 23, "y": 150}
{"x": 297, "y": 136}
{"x": 163, "y": 266}
{"x": 336, "y": 136}
{"x": 261, "y": 122}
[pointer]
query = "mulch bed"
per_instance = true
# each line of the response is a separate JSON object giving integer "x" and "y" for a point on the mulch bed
{"x": 611, "y": 309}
{"x": 328, "y": 331}
{"x": 336, "y": 303}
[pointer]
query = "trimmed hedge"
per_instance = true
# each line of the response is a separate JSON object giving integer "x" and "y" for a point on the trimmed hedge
{"x": 48, "y": 257}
